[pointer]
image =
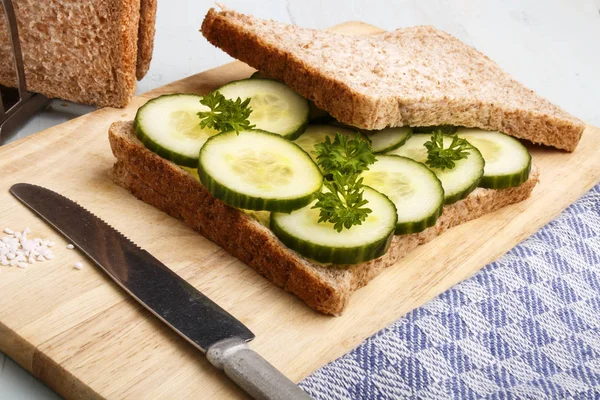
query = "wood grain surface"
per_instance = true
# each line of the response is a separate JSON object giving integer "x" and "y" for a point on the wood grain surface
{"x": 85, "y": 338}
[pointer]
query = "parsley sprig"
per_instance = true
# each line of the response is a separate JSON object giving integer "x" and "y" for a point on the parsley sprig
{"x": 440, "y": 157}
{"x": 342, "y": 161}
{"x": 225, "y": 115}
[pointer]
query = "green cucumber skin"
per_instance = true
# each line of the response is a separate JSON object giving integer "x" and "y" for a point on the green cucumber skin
{"x": 259, "y": 76}
{"x": 461, "y": 195}
{"x": 341, "y": 256}
{"x": 386, "y": 150}
{"x": 155, "y": 147}
{"x": 416, "y": 227}
{"x": 488, "y": 182}
{"x": 315, "y": 114}
{"x": 506, "y": 181}
{"x": 420, "y": 226}
{"x": 397, "y": 145}
{"x": 407, "y": 227}
{"x": 297, "y": 133}
{"x": 238, "y": 200}
{"x": 450, "y": 199}
{"x": 334, "y": 255}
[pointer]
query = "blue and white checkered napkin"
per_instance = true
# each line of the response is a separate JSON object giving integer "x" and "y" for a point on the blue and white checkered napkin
{"x": 525, "y": 326}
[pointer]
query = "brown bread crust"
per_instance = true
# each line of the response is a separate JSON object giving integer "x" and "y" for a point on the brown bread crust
{"x": 325, "y": 289}
{"x": 434, "y": 78}
{"x": 146, "y": 33}
{"x": 82, "y": 51}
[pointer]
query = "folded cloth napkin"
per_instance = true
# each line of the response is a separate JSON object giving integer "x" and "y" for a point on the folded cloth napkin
{"x": 526, "y": 326}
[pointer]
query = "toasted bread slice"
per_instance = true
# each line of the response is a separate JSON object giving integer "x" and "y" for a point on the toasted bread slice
{"x": 417, "y": 76}
{"x": 324, "y": 288}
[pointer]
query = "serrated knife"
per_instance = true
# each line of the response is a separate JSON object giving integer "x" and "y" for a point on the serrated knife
{"x": 170, "y": 298}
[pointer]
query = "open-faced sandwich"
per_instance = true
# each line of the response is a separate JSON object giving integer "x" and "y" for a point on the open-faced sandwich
{"x": 342, "y": 154}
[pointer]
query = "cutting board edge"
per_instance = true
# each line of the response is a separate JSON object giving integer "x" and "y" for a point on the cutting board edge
{"x": 60, "y": 380}
{"x": 17, "y": 348}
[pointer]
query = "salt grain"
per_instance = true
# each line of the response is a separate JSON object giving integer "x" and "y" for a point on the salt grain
{"x": 70, "y": 246}
{"x": 16, "y": 249}
{"x": 78, "y": 265}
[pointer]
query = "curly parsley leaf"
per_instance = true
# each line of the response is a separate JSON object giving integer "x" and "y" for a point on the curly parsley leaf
{"x": 225, "y": 115}
{"x": 440, "y": 157}
{"x": 342, "y": 161}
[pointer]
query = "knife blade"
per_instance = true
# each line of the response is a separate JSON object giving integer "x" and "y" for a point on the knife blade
{"x": 174, "y": 301}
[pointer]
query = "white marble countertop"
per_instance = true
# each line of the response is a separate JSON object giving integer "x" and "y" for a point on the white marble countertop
{"x": 552, "y": 46}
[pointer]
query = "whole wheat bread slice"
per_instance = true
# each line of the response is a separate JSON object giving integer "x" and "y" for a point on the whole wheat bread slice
{"x": 146, "y": 32}
{"x": 82, "y": 51}
{"x": 417, "y": 76}
{"x": 327, "y": 289}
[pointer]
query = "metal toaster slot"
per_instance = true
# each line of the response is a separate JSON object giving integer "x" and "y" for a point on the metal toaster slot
{"x": 16, "y": 104}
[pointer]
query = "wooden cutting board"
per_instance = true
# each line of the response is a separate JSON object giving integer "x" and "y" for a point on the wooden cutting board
{"x": 85, "y": 338}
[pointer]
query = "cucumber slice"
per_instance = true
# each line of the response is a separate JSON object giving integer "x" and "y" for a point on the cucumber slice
{"x": 315, "y": 115}
{"x": 388, "y": 139}
{"x": 168, "y": 126}
{"x": 301, "y": 231}
{"x": 384, "y": 140}
{"x": 457, "y": 182}
{"x": 507, "y": 161}
{"x": 413, "y": 188}
{"x": 275, "y": 107}
{"x": 258, "y": 170}
{"x": 381, "y": 141}
{"x": 316, "y": 134}
{"x": 446, "y": 129}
